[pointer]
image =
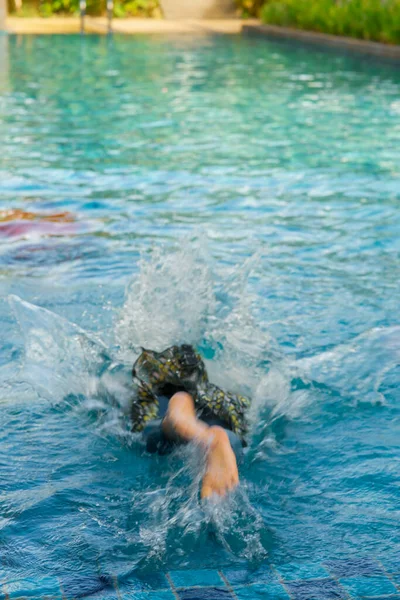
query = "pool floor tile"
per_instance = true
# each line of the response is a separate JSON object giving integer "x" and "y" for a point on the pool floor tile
{"x": 103, "y": 595}
{"x": 167, "y": 595}
{"x": 316, "y": 589}
{"x": 360, "y": 578}
{"x": 263, "y": 574}
{"x": 262, "y": 591}
{"x": 364, "y": 587}
{"x": 303, "y": 571}
{"x": 390, "y": 597}
{"x": 391, "y": 563}
{"x": 206, "y": 593}
{"x": 161, "y": 595}
{"x": 32, "y": 587}
{"x": 144, "y": 581}
{"x": 186, "y": 579}
{"x": 353, "y": 567}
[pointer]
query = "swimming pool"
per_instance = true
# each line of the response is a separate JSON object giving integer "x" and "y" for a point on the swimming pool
{"x": 238, "y": 194}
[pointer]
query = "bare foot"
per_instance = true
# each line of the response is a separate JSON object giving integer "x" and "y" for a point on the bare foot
{"x": 221, "y": 472}
{"x": 182, "y": 423}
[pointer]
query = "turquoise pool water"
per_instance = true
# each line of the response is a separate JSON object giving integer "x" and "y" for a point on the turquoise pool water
{"x": 238, "y": 194}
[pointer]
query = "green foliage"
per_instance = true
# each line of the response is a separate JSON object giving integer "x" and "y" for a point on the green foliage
{"x": 137, "y": 8}
{"x": 250, "y": 8}
{"x": 122, "y": 8}
{"x": 50, "y": 7}
{"x": 377, "y": 20}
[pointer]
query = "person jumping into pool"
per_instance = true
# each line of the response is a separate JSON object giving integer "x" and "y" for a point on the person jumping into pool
{"x": 175, "y": 403}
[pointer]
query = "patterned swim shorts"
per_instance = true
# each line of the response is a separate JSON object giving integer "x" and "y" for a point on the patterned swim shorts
{"x": 181, "y": 368}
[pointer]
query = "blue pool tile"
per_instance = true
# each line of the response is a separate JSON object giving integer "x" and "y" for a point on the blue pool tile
{"x": 364, "y": 587}
{"x": 103, "y": 595}
{"x": 30, "y": 587}
{"x": 147, "y": 581}
{"x": 132, "y": 584}
{"x": 167, "y": 595}
{"x": 390, "y": 597}
{"x": 316, "y": 589}
{"x": 263, "y": 574}
{"x": 202, "y": 578}
{"x": 352, "y": 567}
{"x": 391, "y": 563}
{"x": 45, "y": 597}
{"x": 154, "y": 581}
{"x": 160, "y": 595}
{"x": 206, "y": 593}
{"x": 292, "y": 572}
{"x": 262, "y": 591}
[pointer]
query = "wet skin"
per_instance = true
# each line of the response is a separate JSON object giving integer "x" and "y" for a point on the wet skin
{"x": 221, "y": 474}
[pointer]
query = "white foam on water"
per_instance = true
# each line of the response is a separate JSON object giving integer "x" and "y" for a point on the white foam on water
{"x": 175, "y": 507}
{"x": 176, "y": 511}
{"x": 351, "y": 368}
{"x": 182, "y": 297}
{"x": 60, "y": 357}
{"x": 177, "y": 297}
{"x": 167, "y": 302}
{"x": 275, "y": 393}
{"x": 62, "y": 364}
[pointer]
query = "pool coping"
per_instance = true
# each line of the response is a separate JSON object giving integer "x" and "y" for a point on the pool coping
{"x": 352, "y": 45}
{"x": 129, "y": 26}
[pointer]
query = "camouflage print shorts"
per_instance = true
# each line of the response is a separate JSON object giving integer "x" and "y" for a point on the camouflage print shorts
{"x": 183, "y": 368}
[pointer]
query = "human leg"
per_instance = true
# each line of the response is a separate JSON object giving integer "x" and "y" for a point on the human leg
{"x": 181, "y": 422}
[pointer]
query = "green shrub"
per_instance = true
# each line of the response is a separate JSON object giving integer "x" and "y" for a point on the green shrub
{"x": 122, "y": 8}
{"x": 377, "y": 20}
{"x": 51, "y": 7}
{"x": 250, "y": 8}
{"x": 137, "y": 8}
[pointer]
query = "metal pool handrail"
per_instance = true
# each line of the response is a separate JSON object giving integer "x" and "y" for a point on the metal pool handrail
{"x": 110, "y": 12}
{"x": 82, "y": 10}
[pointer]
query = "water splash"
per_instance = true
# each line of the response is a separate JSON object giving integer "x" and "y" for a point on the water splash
{"x": 168, "y": 302}
{"x": 216, "y": 312}
{"x": 175, "y": 298}
{"x": 60, "y": 358}
{"x": 358, "y": 368}
{"x": 181, "y": 297}
{"x": 178, "y": 297}
{"x": 179, "y": 523}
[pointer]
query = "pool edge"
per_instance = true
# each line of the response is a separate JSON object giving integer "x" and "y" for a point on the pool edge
{"x": 351, "y": 45}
